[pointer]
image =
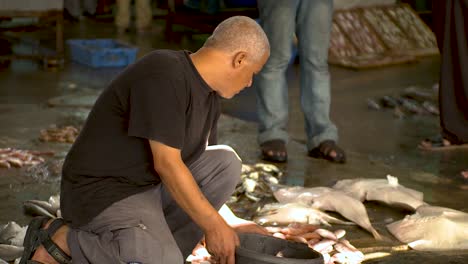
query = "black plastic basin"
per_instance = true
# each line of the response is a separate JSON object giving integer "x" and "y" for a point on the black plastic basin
{"x": 261, "y": 249}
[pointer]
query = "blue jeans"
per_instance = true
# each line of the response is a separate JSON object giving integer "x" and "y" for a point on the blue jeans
{"x": 311, "y": 20}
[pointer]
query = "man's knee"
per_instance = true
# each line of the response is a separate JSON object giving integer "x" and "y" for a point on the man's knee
{"x": 229, "y": 161}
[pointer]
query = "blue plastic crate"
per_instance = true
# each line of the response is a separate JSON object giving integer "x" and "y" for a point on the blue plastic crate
{"x": 101, "y": 52}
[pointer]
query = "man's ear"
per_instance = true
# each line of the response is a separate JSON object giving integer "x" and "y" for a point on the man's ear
{"x": 239, "y": 59}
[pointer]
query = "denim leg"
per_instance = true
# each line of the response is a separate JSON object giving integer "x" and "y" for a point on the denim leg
{"x": 314, "y": 20}
{"x": 278, "y": 21}
{"x": 90, "y": 6}
{"x": 122, "y": 18}
{"x": 73, "y": 7}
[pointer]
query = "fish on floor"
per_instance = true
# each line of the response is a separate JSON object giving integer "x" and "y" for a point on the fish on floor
{"x": 298, "y": 194}
{"x": 10, "y": 252}
{"x": 284, "y": 214}
{"x": 433, "y": 228}
{"x": 12, "y": 234}
{"x": 387, "y": 191}
{"x": 347, "y": 206}
{"x": 327, "y": 199}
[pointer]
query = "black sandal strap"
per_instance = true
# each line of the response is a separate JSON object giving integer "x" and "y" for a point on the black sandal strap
{"x": 274, "y": 150}
{"x": 324, "y": 150}
{"x": 31, "y": 239}
{"x": 55, "y": 251}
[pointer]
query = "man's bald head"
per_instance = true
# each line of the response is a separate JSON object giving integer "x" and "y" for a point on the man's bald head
{"x": 239, "y": 33}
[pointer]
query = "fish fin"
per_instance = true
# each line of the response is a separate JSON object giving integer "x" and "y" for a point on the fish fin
{"x": 376, "y": 234}
{"x": 417, "y": 243}
{"x": 392, "y": 180}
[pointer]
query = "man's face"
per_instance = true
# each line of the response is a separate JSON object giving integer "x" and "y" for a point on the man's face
{"x": 243, "y": 77}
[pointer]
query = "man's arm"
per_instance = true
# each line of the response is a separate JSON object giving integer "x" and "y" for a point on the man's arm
{"x": 220, "y": 238}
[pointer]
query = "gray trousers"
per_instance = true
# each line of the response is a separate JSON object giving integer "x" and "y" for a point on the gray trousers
{"x": 150, "y": 227}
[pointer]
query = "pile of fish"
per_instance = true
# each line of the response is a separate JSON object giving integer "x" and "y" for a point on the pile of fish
{"x": 413, "y": 101}
{"x": 255, "y": 182}
{"x": 10, "y": 157}
{"x": 50, "y": 208}
{"x": 307, "y": 205}
{"x": 11, "y": 242}
{"x": 429, "y": 228}
{"x": 65, "y": 134}
{"x": 331, "y": 244}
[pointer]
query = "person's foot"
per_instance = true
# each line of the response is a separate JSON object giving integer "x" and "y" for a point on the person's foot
{"x": 439, "y": 143}
{"x": 46, "y": 242}
{"x": 435, "y": 142}
{"x": 274, "y": 150}
{"x": 60, "y": 238}
{"x": 328, "y": 150}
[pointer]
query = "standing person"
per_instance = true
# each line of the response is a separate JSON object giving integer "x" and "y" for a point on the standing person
{"x": 143, "y": 11}
{"x": 311, "y": 22}
{"x": 451, "y": 29}
{"x": 76, "y": 8}
{"x": 143, "y": 181}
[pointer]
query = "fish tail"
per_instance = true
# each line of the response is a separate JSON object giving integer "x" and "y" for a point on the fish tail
{"x": 376, "y": 234}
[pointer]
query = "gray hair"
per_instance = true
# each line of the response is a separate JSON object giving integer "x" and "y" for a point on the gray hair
{"x": 239, "y": 33}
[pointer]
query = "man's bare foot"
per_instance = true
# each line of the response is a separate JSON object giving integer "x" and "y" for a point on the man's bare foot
{"x": 60, "y": 238}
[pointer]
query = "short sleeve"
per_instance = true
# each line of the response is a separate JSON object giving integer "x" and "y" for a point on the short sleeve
{"x": 157, "y": 110}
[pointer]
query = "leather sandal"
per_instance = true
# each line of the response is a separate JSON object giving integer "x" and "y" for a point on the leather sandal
{"x": 274, "y": 150}
{"x": 324, "y": 151}
{"x": 37, "y": 236}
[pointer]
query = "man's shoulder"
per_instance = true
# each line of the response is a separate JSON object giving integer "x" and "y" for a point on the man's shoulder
{"x": 164, "y": 58}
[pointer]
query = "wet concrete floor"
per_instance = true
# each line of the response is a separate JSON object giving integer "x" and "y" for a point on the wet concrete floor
{"x": 376, "y": 143}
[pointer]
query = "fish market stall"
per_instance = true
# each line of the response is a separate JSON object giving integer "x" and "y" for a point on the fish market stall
{"x": 45, "y": 11}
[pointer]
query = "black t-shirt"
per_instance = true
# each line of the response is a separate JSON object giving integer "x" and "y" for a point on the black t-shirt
{"x": 161, "y": 97}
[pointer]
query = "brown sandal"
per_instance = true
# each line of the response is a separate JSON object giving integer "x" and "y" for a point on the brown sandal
{"x": 325, "y": 149}
{"x": 274, "y": 150}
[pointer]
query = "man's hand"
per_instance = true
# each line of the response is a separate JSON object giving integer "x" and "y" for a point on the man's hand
{"x": 241, "y": 225}
{"x": 221, "y": 242}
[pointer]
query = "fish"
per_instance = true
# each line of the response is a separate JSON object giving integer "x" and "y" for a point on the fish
{"x": 283, "y": 214}
{"x": 298, "y": 194}
{"x": 348, "y": 257}
{"x": 433, "y": 228}
{"x": 395, "y": 197}
{"x": 372, "y": 104}
{"x": 12, "y": 234}
{"x": 5, "y": 164}
{"x": 430, "y": 108}
{"x": 411, "y": 106}
{"x": 388, "y": 101}
{"x": 328, "y": 199}
{"x": 387, "y": 191}
{"x": 419, "y": 94}
{"x": 18, "y": 158}
{"x": 45, "y": 205}
{"x": 10, "y": 252}
{"x": 54, "y": 202}
{"x": 347, "y": 206}
{"x": 358, "y": 188}
{"x": 33, "y": 208}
